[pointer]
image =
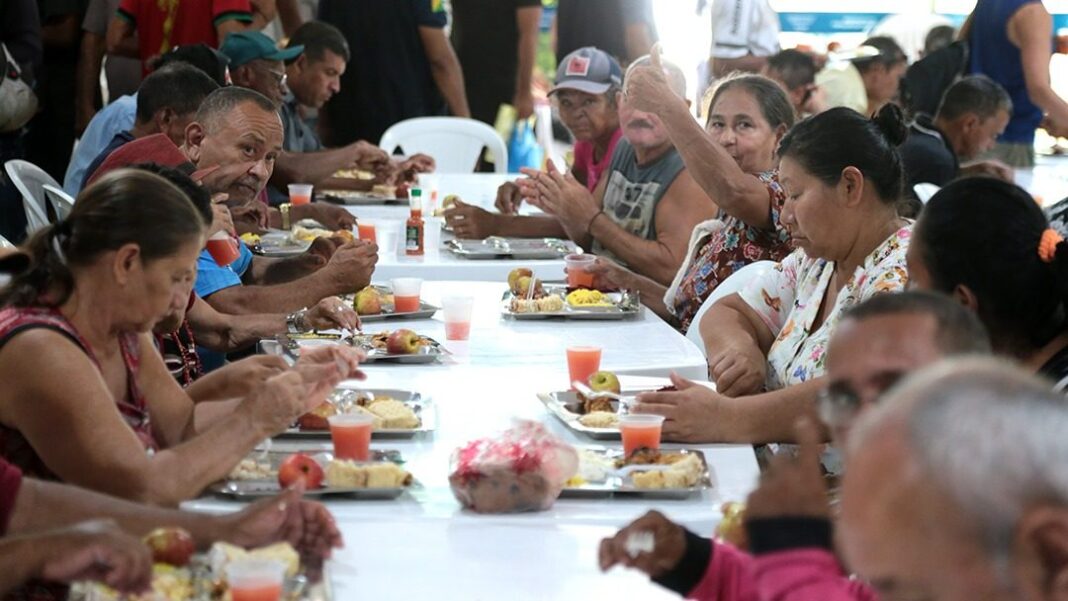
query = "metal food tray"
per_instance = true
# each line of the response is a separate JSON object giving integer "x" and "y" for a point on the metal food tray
{"x": 625, "y": 304}
{"x": 279, "y": 244}
{"x": 496, "y": 247}
{"x": 254, "y": 489}
{"x": 557, "y": 404}
{"x": 615, "y": 485}
{"x": 424, "y": 408}
{"x": 426, "y": 310}
{"x": 358, "y": 197}
{"x": 289, "y": 346}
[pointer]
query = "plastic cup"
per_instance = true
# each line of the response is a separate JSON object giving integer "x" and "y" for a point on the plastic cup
{"x": 387, "y": 243}
{"x": 582, "y": 362}
{"x": 223, "y": 248}
{"x": 351, "y": 434}
{"x": 255, "y": 579}
{"x": 457, "y": 311}
{"x": 406, "y": 294}
{"x": 366, "y": 231}
{"x": 432, "y": 234}
{"x": 300, "y": 194}
{"x": 640, "y": 430}
{"x": 577, "y": 276}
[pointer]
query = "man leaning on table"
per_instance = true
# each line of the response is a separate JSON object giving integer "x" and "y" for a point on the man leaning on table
{"x": 233, "y": 142}
{"x": 644, "y": 208}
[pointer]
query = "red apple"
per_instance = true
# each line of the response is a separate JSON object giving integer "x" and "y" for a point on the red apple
{"x": 172, "y": 546}
{"x": 299, "y": 466}
{"x": 402, "y": 342}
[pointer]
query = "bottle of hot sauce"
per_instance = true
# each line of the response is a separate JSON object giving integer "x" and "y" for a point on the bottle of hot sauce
{"x": 413, "y": 231}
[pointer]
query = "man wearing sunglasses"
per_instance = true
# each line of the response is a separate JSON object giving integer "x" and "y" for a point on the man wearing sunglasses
{"x": 877, "y": 344}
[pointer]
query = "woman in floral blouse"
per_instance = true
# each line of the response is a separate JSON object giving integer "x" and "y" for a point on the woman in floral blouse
{"x": 842, "y": 175}
{"x": 734, "y": 162}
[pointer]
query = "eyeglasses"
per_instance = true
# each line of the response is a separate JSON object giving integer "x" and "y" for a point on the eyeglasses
{"x": 279, "y": 76}
{"x": 837, "y": 404}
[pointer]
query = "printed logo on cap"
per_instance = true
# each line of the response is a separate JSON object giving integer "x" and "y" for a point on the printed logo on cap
{"x": 578, "y": 65}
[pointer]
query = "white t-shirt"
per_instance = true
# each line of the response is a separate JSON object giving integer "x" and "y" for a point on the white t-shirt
{"x": 743, "y": 27}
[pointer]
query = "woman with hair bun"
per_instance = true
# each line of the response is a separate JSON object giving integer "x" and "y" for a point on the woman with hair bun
{"x": 86, "y": 398}
{"x": 766, "y": 345}
{"x": 989, "y": 245}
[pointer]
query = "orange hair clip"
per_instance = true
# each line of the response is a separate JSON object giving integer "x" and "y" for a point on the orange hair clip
{"x": 1047, "y": 246}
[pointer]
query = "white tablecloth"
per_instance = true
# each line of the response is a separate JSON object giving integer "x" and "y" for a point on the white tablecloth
{"x": 423, "y": 545}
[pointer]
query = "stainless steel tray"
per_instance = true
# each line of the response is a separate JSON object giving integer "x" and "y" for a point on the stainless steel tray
{"x": 614, "y": 485}
{"x": 254, "y": 489}
{"x": 558, "y": 404}
{"x": 423, "y": 407}
{"x": 279, "y": 244}
{"x": 426, "y": 310}
{"x": 290, "y": 346}
{"x": 496, "y": 247}
{"x": 357, "y": 197}
{"x": 624, "y": 304}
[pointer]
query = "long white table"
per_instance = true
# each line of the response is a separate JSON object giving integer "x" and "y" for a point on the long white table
{"x": 423, "y": 545}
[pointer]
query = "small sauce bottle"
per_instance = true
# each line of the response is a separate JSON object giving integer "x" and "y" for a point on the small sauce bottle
{"x": 413, "y": 230}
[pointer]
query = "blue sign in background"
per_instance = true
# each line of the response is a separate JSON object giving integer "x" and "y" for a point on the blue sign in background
{"x": 825, "y": 23}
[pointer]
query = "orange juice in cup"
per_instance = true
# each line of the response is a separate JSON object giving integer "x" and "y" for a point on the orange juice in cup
{"x": 406, "y": 294}
{"x": 351, "y": 434}
{"x": 366, "y": 231}
{"x": 582, "y": 362}
{"x": 255, "y": 579}
{"x": 223, "y": 248}
{"x": 577, "y": 276}
{"x": 300, "y": 194}
{"x": 640, "y": 431}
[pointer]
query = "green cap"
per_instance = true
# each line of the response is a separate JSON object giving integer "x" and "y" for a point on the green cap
{"x": 243, "y": 47}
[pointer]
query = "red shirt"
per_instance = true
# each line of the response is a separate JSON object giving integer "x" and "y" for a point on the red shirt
{"x": 157, "y": 148}
{"x": 163, "y": 24}
{"x": 10, "y": 482}
{"x": 585, "y": 163}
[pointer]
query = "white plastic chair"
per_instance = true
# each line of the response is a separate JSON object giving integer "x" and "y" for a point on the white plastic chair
{"x": 62, "y": 203}
{"x": 925, "y": 191}
{"x": 735, "y": 283}
{"x": 30, "y": 181}
{"x": 5, "y": 243}
{"x": 455, "y": 143}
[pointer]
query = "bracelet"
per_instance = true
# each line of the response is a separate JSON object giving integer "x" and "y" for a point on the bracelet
{"x": 295, "y": 322}
{"x": 284, "y": 209}
{"x": 592, "y": 219}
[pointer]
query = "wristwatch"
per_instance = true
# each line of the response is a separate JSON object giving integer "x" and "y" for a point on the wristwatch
{"x": 284, "y": 209}
{"x": 295, "y": 323}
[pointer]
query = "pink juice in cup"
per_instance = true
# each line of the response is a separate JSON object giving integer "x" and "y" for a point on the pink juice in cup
{"x": 300, "y": 194}
{"x": 223, "y": 248}
{"x": 457, "y": 311}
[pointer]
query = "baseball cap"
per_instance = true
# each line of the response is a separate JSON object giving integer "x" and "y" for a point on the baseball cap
{"x": 243, "y": 47}
{"x": 588, "y": 70}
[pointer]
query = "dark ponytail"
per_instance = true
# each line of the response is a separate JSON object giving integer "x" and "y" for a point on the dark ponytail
{"x": 985, "y": 234}
{"x": 825, "y": 144}
{"x": 123, "y": 207}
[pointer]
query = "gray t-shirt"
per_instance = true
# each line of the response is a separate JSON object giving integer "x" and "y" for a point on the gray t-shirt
{"x": 633, "y": 192}
{"x": 123, "y": 74}
{"x": 299, "y": 137}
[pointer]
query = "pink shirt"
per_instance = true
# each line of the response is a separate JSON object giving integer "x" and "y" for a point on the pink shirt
{"x": 585, "y": 163}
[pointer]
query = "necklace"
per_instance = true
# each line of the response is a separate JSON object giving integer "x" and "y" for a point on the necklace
{"x": 191, "y": 366}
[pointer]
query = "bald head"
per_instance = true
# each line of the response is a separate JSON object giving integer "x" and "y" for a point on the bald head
{"x": 956, "y": 483}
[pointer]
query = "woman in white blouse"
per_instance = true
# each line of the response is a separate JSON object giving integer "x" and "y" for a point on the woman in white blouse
{"x": 843, "y": 179}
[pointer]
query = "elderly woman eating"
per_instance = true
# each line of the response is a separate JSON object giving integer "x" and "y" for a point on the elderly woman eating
{"x": 842, "y": 176}
{"x": 87, "y": 399}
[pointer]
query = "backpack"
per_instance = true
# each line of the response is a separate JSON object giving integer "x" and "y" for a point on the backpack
{"x": 18, "y": 103}
{"x": 928, "y": 78}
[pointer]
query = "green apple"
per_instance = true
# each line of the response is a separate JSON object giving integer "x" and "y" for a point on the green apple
{"x": 513, "y": 278}
{"x": 604, "y": 381}
{"x": 367, "y": 302}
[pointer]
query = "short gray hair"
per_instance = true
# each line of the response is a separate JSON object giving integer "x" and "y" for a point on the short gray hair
{"x": 989, "y": 435}
{"x": 221, "y": 102}
{"x": 675, "y": 76}
{"x": 974, "y": 94}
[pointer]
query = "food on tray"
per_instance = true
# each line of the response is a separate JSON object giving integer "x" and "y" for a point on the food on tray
{"x": 513, "y": 278}
{"x": 354, "y": 174}
{"x": 345, "y": 235}
{"x": 404, "y": 342}
{"x": 588, "y": 298}
{"x": 368, "y": 301}
{"x": 394, "y": 414}
{"x": 731, "y": 528}
{"x": 305, "y": 234}
{"x": 449, "y": 202}
{"x": 524, "y": 469}
{"x": 250, "y": 239}
{"x": 548, "y": 304}
{"x": 342, "y": 473}
{"x": 223, "y": 554}
{"x": 592, "y": 467}
{"x": 523, "y": 284}
{"x": 600, "y": 381}
{"x": 685, "y": 470}
{"x": 384, "y": 190}
{"x": 172, "y": 546}
{"x": 298, "y": 467}
{"x": 250, "y": 469}
{"x": 600, "y": 419}
{"x": 316, "y": 418}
